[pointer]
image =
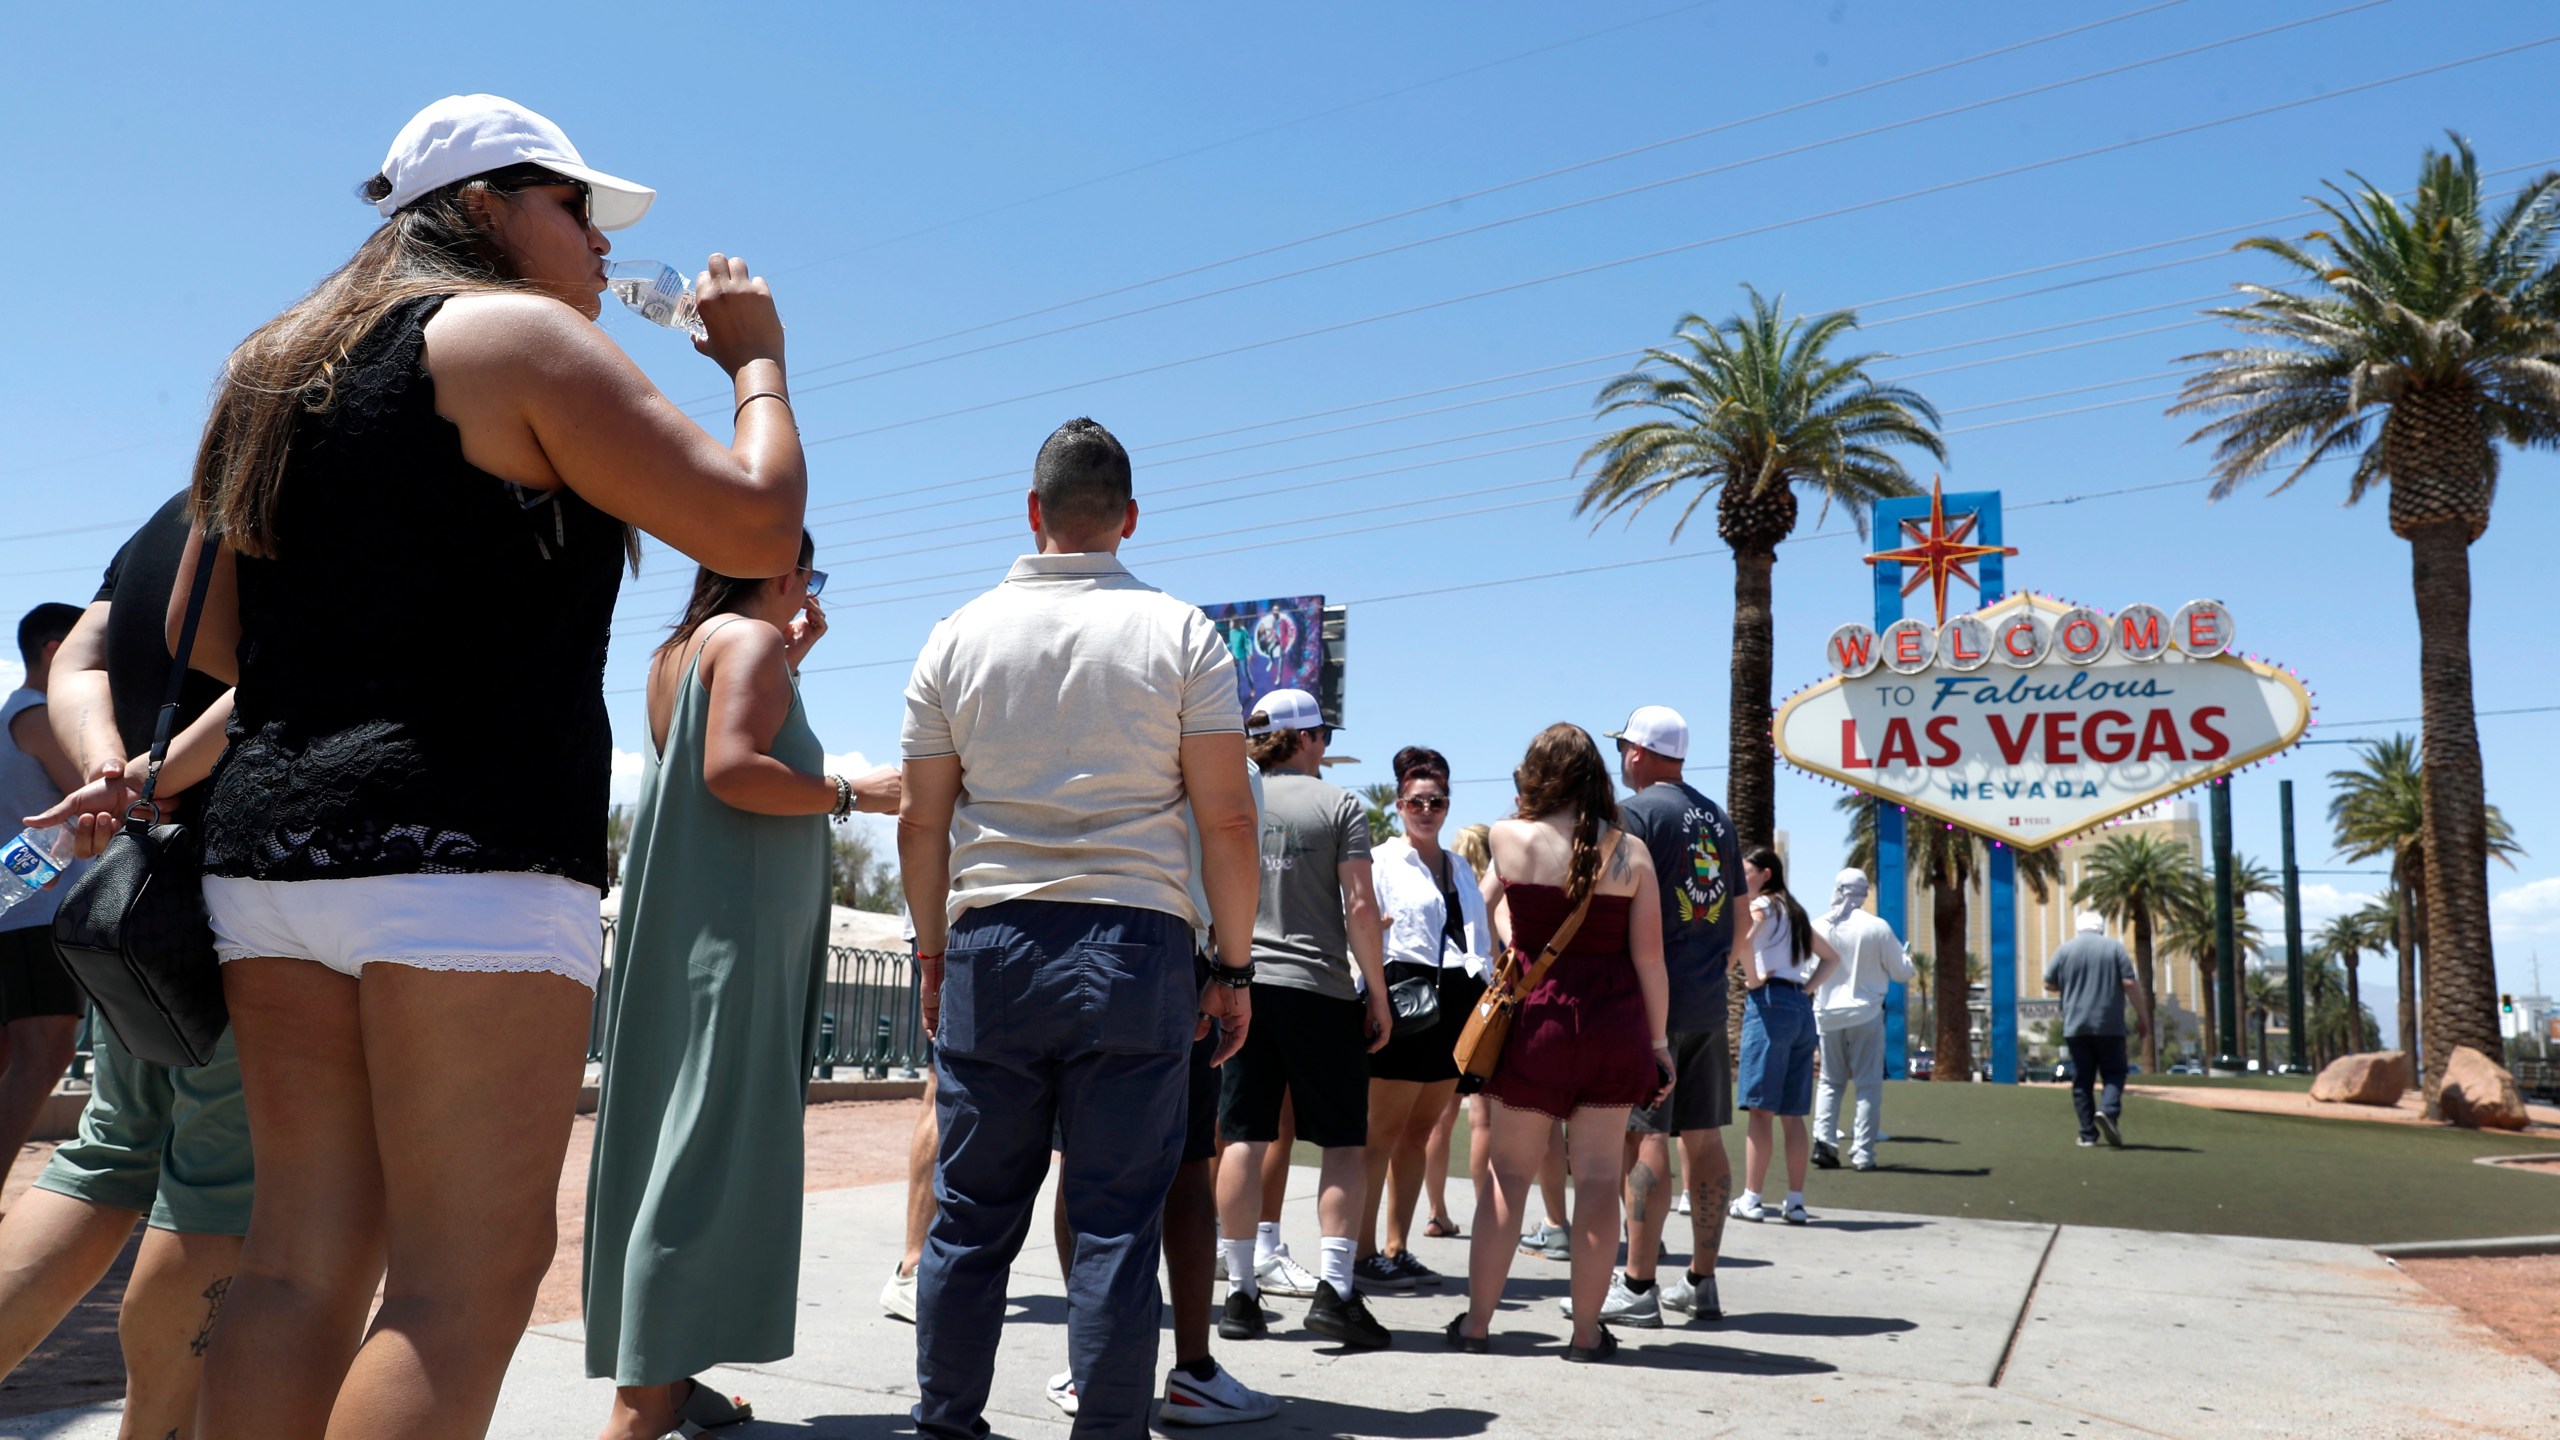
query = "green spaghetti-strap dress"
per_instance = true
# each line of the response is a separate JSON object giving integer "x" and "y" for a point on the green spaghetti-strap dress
{"x": 693, "y": 1198}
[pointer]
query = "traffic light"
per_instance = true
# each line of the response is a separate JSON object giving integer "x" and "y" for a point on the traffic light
{"x": 2506, "y": 1004}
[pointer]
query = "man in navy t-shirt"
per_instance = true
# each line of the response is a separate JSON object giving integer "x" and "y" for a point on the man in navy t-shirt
{"x": 1698, "y": 864}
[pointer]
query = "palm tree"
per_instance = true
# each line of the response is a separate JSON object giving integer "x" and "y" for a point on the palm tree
{"x": 1379, "y": 801}
{"x": 2342, "y": 942}
{"x": 2378, "y": 812}
{"x": 2427, "y": 336}
{"x": 2142, "y": 882}
{"x": 1748, "y": 410}
{"x": 1950, "y": 862}
{"x": 2262, "y": 994}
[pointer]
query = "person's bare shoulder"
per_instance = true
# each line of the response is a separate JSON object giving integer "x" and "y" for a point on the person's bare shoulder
{"x": 512, "y": 332}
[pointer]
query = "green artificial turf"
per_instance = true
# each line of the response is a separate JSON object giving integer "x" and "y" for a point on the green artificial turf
{"x": 1998, "y": 1152}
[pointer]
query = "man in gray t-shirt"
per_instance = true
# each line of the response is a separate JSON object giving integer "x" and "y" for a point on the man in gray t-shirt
{"x": 1313, "y": 1030}
{"x": 2094, "y": 977}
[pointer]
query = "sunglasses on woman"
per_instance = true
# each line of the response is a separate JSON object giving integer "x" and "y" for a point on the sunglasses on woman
{"x": 817, "y": 581}
{"x": 1426, "y": 804}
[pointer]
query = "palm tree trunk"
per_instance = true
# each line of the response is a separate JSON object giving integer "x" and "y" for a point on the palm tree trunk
{"x": 1751, "y": 781}
{"x": 2142, "y": 974}
{"x": 2405, "y": 937}
{"x": 2355, "y": 1004}
{"x": 2206, "y": 1030}
{"x": 2462, "y": 984}
{"x": 1954, "y": 1039}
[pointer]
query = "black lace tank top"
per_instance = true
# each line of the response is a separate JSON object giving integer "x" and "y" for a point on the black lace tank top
{"x": 422, "y": 664}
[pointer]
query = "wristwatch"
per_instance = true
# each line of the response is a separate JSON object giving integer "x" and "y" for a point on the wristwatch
{"x": 1234, "y": 977}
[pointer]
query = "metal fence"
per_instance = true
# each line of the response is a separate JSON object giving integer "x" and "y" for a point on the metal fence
{"x": 868, "y": 1022}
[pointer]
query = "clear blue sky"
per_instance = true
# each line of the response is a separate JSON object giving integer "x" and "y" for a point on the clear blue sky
{"x": 907, "y": 172}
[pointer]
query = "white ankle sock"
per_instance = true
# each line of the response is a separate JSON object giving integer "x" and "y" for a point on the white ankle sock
{"x": 1334, "y": 1263}
{"x": 1266, "y": 1241}
{"x": 1795, "y": 1199}
{"x": 1750, "y": 1198}
{"x": 1240, "y": 1274}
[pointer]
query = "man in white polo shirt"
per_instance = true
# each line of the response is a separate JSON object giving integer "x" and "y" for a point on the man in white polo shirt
{"x": 1056, "y": 728}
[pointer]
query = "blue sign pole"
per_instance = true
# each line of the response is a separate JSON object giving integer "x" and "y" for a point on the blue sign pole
{"x": 1891, "y": 874}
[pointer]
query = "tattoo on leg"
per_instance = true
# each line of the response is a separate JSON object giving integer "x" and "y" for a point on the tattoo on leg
{"x": 1640, "y": 1183}
{"x": 213, "y": 1294}
{"x": 1707, "y": 1197}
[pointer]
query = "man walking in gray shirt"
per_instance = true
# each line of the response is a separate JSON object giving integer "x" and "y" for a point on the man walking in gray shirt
{"x": 2094, "y": 977}
{"x": 1056, "y": 727}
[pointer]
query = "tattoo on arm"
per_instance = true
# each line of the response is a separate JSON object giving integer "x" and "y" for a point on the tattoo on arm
{"x": 213, "y": 1294}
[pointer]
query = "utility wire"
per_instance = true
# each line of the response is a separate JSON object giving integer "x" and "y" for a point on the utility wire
{"x": 1727, "y": 167}
{"x": 1833, "y": 213}
{"x": 1478, "y": 194}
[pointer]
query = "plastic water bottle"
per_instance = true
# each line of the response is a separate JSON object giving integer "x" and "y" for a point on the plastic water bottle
{"x": 31, "y": 862}
{"x": 655, "y": 293}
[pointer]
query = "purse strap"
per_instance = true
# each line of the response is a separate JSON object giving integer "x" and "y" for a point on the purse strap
{"x": 204, "y": 560}
{"x": 1556, "y": 942}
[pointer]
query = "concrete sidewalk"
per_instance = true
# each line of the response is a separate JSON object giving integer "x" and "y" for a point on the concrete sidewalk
{"x": 1862, "y": 1324}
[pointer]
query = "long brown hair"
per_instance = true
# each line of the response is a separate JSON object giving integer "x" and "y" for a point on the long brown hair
{"x": 289, "y": 366}
{"x": 1563, "y": 771}
{"x": 1799, "y": 928}
{"x": 715, "y": 595}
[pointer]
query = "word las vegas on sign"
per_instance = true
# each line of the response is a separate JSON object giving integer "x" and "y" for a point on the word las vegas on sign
{"x": 2032, "y": 721}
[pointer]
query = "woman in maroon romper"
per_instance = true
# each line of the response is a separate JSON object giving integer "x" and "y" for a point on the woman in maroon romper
{"x": 1589, "y": 1043}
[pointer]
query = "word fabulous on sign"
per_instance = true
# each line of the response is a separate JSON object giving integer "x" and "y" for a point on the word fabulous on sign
{"x": 2033, "y": 721}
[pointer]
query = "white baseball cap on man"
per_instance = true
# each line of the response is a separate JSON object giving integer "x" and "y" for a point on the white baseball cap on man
{"x": 1657, "y": 728}
{"x": 465, "y": 135}
{"x": 1287, "y": 710}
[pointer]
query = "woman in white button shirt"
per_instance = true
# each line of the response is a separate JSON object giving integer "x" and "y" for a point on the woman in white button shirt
{"x": 1436, "y": 932}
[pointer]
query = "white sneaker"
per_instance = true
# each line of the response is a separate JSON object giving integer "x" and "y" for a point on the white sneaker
{"x": 1281, "y": 1275}
{"x": 1680, "y": 1203}
{"x": 1222, "y": 1262}
{"x": 1698, "y": 1302}
{"x": 1552, "y": 1242}
{"x": 1062, "y": 1391}
{"x": 1219, "y": 1400}
{"x": 1623, "y": 1306}
{"x": 898, "y": 1297}
{"x": 1751, "y": 1210}
{"x": 1797, "y": 1214}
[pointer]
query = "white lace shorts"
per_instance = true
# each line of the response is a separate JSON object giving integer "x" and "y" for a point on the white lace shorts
{"x": 509, "y": 922}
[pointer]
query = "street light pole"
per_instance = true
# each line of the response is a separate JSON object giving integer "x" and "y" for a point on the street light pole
{"x": 2225, "y": 941}
{"x": 2292, "y": 934}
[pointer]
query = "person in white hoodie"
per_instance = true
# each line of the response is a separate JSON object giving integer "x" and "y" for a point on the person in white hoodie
{"x": 1848, "y": 1018}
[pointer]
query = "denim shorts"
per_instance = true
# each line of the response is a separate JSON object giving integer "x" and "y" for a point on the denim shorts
{"x": 1777, "y": 1050}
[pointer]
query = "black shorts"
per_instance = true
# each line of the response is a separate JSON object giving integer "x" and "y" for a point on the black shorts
{"x": 1701, "y": 1090}
{"x": 1429, "y": 1056}
{"x": 1310, "y": 1049}
{"x": 32, "y": 980}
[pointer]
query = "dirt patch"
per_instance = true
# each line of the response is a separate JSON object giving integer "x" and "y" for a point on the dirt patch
{"x": 2510, "y": 1294}
{"x": 850, "y": 1143}
{"x": 2412, "y": 1110}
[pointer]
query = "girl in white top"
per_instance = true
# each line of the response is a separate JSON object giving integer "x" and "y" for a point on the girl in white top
{"x": 1787, "y": 958}
{"x": 1436, "y": 934}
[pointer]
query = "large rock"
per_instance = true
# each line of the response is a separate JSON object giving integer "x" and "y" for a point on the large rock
{"x": 2479, "y": 1093}
{"x": 2376, "y": 1077}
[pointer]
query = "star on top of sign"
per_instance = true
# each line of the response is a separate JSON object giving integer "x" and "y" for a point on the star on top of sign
{"x": 1940, "y": 550}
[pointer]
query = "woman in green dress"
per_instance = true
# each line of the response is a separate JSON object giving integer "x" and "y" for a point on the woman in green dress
{"x": 693, "y": 1201}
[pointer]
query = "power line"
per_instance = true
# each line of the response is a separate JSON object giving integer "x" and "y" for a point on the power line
{"x": 1785, "y": 152}
{"x": 1478, "y": 194}
{"x": 1836, "y": 212}
{"x": 1305, "y": 119}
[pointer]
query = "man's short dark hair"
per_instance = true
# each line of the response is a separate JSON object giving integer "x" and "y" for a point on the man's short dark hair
{"x": 42, "y": 626}
{"x": 1082, "y": 479}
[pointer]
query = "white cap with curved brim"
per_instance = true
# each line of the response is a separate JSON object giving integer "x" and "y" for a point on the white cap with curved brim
{"x": 1286, "y": 709}
{"x": 1657, "y": 728}
{"x": 465, "y": 135}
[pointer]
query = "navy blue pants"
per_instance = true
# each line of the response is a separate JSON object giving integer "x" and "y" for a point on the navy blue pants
{"x": 2096, "y": 1060}
{"x": 1072, "y": 1020}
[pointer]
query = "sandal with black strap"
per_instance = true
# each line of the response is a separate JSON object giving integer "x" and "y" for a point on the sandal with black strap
{"x": 705, "y": 1410}
{"x": 1442, "y": 1228}
{"x": 1607, "y": 1347}
{"x": 1464, "y": 1343}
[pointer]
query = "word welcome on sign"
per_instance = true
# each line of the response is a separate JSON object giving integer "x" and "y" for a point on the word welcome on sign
{"x": 2087, "y": 717}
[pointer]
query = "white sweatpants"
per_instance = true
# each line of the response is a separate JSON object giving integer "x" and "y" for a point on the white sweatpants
{"x": 1852, "y": 1054}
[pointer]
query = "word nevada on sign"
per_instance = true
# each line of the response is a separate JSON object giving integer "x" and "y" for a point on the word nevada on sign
{"x": 2032, "y": 721}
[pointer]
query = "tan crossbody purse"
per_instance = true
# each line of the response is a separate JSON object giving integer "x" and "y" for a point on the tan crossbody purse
{"x": 1479, "y": 1046}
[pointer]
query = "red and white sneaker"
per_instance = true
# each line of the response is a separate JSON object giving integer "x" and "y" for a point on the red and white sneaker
{"x": 1219, "y": 1400}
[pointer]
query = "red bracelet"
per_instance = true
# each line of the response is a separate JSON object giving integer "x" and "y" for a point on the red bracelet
{"x": 921, "y": 955}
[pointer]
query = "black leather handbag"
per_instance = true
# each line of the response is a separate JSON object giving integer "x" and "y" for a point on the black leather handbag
{"x": 132, "y": 931}
{"x": 1413, "y": 995}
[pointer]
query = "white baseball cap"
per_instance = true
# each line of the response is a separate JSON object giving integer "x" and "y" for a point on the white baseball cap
{"x": 465, "y": 135}
{"x": 1657, "y": 728}
{"x": 1288, "y": 710}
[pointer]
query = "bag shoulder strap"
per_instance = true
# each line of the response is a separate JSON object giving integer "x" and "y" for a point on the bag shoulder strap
{"x": 204, "y": 561}
{"x": 1556, "y": 942}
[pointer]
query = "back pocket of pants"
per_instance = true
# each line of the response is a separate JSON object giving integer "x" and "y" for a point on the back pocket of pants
{"x": 1142, "y": 996}
{"x": 972, "y": 999}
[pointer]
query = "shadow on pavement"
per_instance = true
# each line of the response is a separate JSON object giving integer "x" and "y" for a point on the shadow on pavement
{"x": 1913, "y": 1140}
{"x": 1834, "y": 1327}
{"x": 1720, "y": 1359}
{"x": 1860, "y": 1227}
{"x": 1332, "y": 1417}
